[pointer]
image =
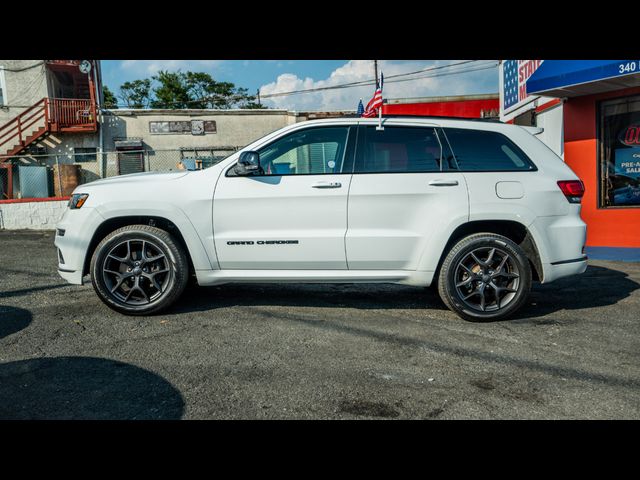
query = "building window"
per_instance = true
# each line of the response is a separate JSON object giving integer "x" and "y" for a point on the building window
{"x": 85, "y": 155}
{"x": 3, "y": 88}
{"x": 619, "y": 152}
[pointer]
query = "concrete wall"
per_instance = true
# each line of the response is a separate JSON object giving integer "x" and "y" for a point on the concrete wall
{"x": 31, "y": 215}
{"x": 233, "y": 127}
{"x": 23, "y": 88}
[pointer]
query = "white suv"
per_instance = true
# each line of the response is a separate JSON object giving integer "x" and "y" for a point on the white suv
{"x": 479, "y": 209}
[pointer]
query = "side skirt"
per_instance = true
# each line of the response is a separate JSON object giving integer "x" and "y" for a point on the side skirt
{"x": 403, "y": 277}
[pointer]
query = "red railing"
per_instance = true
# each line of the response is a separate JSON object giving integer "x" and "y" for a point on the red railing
{"x": 70, "y": 112}
{"x": 16, "y": 131}
{"x": 57, "y": 114}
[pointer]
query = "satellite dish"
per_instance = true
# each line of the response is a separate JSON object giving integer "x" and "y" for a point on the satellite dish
{"x": 85, "y": 66}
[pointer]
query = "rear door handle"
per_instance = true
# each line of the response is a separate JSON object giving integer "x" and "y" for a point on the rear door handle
{"x": 443, "y": 183}
{"x": 327, "y": 185}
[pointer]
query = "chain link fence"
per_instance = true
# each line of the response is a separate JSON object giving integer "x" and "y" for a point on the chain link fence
{"x": 57, "y": 175}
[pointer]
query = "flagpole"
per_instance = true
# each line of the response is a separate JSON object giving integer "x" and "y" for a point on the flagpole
{"x": 379, "y": 127}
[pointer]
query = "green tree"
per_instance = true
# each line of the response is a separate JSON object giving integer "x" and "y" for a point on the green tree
{"x": 172, "y": 91}
{"x": 136, "y": 94}
{"x": 175, "y": 90}
{"x": 109, "y": 100}
{"x": 201, "y": 88}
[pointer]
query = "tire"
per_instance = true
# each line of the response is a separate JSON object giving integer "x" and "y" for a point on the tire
{"x": 134, "y": 283}
{"x": 479, "y": 285}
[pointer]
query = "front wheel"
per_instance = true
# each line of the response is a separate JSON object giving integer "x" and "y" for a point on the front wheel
{"x": 485, "y": 277}
{"x": 139, "y": 270}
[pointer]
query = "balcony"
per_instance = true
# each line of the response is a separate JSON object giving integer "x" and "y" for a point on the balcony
{"x": 72, "y": 115}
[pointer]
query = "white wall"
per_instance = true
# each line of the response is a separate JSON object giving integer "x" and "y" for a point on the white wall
{"x": 31, "y": 215}
{"x": 552, "y": 122}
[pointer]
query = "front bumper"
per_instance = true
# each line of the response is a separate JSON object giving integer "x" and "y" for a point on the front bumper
{"x": 78, "y": 226}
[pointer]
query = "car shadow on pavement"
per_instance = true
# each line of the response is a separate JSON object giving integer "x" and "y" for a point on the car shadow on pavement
{"x": 360, "y": 296}
{"x": 597, "y": 287}
{"x": 85, "y": 388}
{"x": 27, "y": 291}
{"x": 12, "y": 320}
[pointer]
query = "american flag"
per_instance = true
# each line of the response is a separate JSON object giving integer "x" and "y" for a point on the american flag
{"x": 376, "y": 102}
{"x": 510, "y": 79}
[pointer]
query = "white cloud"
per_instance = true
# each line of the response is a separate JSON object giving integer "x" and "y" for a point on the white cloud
{"x": 485, "y": 81}
{"x": 151, "y": 67}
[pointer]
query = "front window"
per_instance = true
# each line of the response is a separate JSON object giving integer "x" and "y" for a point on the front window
{"x": 619, "y": 152}
{"x": 314, "y": 151}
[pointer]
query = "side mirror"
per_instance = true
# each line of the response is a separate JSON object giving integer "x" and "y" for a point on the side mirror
{"x": 248, "y": 164}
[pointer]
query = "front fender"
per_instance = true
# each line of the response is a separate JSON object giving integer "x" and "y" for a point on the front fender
{"x": 200, "y": 257}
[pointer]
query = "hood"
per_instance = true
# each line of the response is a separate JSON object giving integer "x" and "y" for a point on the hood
{"x": 137, "y": 178}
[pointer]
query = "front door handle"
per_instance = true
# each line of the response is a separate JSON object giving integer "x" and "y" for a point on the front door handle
{"x": 327, "y": 185}
{"x": 443, "y": 183}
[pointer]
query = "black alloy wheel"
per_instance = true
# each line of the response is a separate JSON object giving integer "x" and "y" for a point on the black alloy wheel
{"x": 485, "y": 276}
{"x": 139, "y": 270}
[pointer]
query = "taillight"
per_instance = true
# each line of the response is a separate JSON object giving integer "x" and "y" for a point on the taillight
{"x": 572, "y": 189}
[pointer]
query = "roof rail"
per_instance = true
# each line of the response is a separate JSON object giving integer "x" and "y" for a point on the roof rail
{"x": 442, "y": 117}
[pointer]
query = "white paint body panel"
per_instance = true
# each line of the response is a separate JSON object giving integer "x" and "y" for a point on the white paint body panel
{"x": 281, "y": 208}
{"x": 374, "y": 228}
{"x": 394, "y": 217}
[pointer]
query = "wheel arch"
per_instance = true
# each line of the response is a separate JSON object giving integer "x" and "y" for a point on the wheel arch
{"x": 114, "y": 223}
{"x": 513, "y": 230}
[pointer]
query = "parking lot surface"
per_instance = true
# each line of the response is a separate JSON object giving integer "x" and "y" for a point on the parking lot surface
{"x": 313, "y": 351}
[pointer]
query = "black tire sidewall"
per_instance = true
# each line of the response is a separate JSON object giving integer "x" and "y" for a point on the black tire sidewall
{"x": 162, "y": 240}
{"x": 449, "y": 292}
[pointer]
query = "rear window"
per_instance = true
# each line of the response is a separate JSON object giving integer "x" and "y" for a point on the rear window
{"x": 398, "y": 150}
{"x": 482, "y": 151}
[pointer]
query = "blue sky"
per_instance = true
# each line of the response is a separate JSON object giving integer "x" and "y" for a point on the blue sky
{"x": 277, "y": 76}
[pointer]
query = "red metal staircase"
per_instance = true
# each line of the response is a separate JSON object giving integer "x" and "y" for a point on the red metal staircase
{"x": 41, "y": 119}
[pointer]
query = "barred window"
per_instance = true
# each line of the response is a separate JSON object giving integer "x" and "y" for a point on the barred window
{"x": 85, "y": 154}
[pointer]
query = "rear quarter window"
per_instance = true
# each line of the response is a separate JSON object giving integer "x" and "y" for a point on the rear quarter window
{"x": 483, "y": 151}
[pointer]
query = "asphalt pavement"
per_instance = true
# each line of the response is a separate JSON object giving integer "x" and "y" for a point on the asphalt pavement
{"x": 278, "y": 351}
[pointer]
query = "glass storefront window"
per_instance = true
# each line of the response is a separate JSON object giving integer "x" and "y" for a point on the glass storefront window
{"x": 619, "y": 152}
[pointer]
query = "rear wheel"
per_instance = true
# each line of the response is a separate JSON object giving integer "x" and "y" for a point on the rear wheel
{"x": 139, "y": 270}
{"x": 485, "y": 277}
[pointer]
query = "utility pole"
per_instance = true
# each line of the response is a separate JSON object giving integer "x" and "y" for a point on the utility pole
{"x": 375, "y": 68}
{"x": 258, "y": 94}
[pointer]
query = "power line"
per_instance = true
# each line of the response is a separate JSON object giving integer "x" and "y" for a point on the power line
{"x": 367, "y": 82}
{"x": 22, "y": 69}
{"x": 394, "y": 79}
{"x": 430, "y": 74}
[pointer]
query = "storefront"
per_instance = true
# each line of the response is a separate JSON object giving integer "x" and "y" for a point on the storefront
{"x": 599, "y": 105}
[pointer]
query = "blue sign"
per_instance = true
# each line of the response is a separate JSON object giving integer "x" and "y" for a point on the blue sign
{"x": 557, "y": 74}
{"x": 627, "y": 162}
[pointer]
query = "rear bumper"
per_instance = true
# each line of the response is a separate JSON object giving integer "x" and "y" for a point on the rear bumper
{"x": 554, "y": 271}
{"x": 560, "y": 241}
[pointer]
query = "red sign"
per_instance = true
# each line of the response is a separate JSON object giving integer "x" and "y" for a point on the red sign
{"x": 630, "y": 136}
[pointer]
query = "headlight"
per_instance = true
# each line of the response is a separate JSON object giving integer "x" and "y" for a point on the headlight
{"x": 77, "y": 200}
